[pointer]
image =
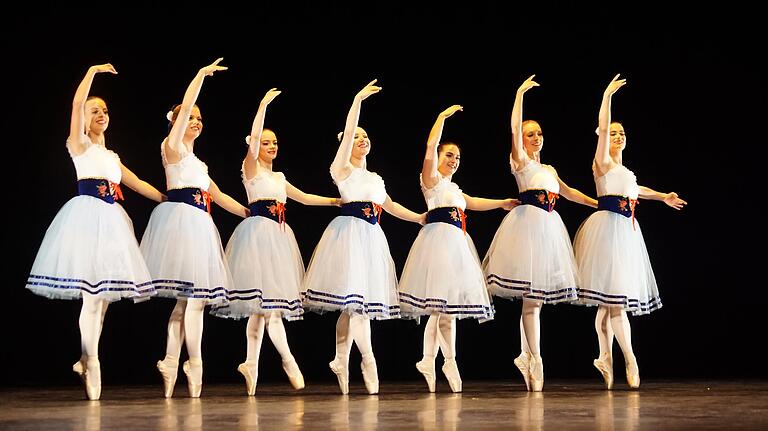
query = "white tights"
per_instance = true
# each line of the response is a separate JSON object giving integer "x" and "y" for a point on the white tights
{"x": 185, "y": 325}
{"x": 353, "y": 327}
{"x": 254, "y": 333}
{"x": 530, "y": 328}
{"x": 610, "y": 322}
{"x": 440, "y": 332}
{"x": 91, "y": 321}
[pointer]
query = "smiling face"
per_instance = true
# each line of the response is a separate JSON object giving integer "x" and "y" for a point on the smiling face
{"x": 268, "y": 146}
{"x": 96, "y": 116}
{"x": 195, "y": 125}
{"x": 361, "y": 145}
{"x": 533, "y": 138}
{"x": 618, "y": 138}
{"x": 448, "y": 159}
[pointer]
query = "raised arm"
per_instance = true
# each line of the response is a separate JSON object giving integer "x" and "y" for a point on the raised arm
{"x": 402, "y": 212}
{"x": 174, "y": 141}
{"x": 310, "y": 199}
{"x": 518, "y": 154}
{"x": 77, "y": 121}
{"x": 341, "y": 167}
{"x": 603, "y": 160}
{"x": 484, "y": 204}
{"x": 429, "y": 174}
{"x": 254, "y": 139}
{"x": 670, "y": 198}
{"x": 226, "y": 201}
{"x": 140, "y": 186}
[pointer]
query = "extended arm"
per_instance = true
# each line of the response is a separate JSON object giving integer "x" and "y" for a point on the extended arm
{"x": 310, "y": 199}
{"x": 670, "y": 198}
{"x": 140, "y": 186}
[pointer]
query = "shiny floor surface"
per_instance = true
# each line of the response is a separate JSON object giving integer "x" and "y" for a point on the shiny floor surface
{"x": 564, "y": 405}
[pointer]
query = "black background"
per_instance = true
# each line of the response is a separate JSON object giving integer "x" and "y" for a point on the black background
{"x": 693, "y": 110}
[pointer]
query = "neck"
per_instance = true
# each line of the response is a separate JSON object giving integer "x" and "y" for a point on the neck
{"x": 189, "y": 143}
{"x": 96, "y": 138}
{"x": 617, "y": 158}
{"x": 266, "y": 164}
{"x": 357, "y": 162}
{"x": 535, "y": 156}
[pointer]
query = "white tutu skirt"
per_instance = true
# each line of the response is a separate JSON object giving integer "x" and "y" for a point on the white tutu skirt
{"x": 90, "y": 247}
{"x": 351, "y": 269}
{"x": 531, "y": 257}
{"x": 183, "y": 251}
{"x": 442, "y": 275}
{"x": 267, "y": 270}
{"x": 614, "y": 267}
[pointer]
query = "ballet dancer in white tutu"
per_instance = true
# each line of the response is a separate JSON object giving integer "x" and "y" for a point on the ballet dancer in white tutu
{"x": 531, "y": 256}
{"x": 263, "y": 256}
{"x": 614, "y": 267}
{"x": 90, "y": 250}
{"x": 181, "y": 244}
{"x": 442, "y": 277}
{"x": 351, "y": 269}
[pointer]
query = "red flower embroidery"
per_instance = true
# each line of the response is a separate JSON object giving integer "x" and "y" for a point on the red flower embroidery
{"x": 102, "y": 189}
{"x": 454, "y": 215}
{"x": 198, "y": 198}
{"x": 367, "y": 212}
{"x": 623, "y": 205}
{"x": 542, "y": 198}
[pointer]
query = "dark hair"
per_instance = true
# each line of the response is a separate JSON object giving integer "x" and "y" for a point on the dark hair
{"x": 446, "y": 143}
{"x": 175, "y": 114}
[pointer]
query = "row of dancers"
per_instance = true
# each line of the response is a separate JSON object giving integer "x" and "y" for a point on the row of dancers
{"x": 90, "y": 250}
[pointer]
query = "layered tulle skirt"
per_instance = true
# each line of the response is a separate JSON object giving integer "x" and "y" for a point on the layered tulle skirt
{"x": 443, "y": 275}
{"x": 90, "y": 247}
{"x": 183, "y": 251}
{"x": 267, "y": 270}
{"x": 351, "y": 269}
{"x": 614, "y": 266}
{"x": 531, "y": 257}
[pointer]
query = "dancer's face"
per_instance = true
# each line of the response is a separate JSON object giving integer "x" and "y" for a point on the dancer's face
{"x": 96, "y": 116}
{"x": 448, "y": 160}
{"x": 618, "y": 138}
{"x": 361, "y": 145}
{"x": 268, "y": 146}
{"x": 533, "y": 138}
{"x": 195, "y": 126}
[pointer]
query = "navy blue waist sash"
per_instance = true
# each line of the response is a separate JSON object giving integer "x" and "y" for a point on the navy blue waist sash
{"x": 269, "y": 208}
{"x": 618, "y": 204}
{"x": 194, "y": 196}
{"x": 450, "y": 215}
{"x": 364, "y": 210}
{"x": 541, "y": 198}
{"x": 100, "y": 188}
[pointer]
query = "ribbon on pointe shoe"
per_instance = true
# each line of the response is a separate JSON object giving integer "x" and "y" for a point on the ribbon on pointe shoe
{"x": 370, "y": 376}
{"x": 248, "y": 370}
{"x": 451, "y": 371}
{"x": 169, "y": 370}
{"x": 193, "y": 368}
{"x": 522, "y": 363}
{"x": 342, "y": 374}
{"x": 427, "y": 369}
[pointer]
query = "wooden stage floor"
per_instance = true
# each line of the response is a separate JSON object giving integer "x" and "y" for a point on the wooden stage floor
{"x": 486, "y": 405}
